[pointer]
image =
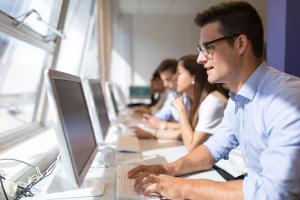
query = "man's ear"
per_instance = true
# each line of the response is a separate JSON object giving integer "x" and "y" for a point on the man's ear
{"x": 242, "y": 43}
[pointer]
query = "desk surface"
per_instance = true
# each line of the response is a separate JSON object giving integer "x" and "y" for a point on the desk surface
{"x": 152, "y": 151}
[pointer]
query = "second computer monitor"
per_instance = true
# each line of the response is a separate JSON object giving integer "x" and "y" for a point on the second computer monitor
{"x": 101, "y": 108}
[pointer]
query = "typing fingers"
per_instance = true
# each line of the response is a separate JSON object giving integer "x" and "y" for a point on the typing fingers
{"x": 151, "y": 185}
{"x": 138, "y": 185}
{"x": 146, "y": 116}
{"x": 134, "y": 128}
{"x": 135, "y": 171}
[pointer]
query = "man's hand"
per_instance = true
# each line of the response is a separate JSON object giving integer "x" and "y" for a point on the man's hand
{"x": 142, "y": 110}
{"x": 140, "y": 133}
{"x": 164, "y": 185}
{"x": 152, "y": 121}
{"x": 150, "y": 169}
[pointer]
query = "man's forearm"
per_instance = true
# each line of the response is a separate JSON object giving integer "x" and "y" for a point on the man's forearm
{"x": 168, "y": 134}
{"x": 199, "y": 159}
{"x": 173, "y": 125}
{"x": 211, "y": 190}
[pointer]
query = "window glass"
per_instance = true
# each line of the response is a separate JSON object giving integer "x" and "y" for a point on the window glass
{"x": 76, "y": 29}
{"x": 16, "y": 8}
{"x": 21, "y": 67}
{"x": 90, "y": 62}
{"x": 78, "y": 54}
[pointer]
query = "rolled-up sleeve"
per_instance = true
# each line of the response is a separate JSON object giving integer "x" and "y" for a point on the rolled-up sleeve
{"x": 224, "y": 140}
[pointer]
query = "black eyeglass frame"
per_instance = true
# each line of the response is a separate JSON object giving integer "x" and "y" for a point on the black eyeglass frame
{"x": 203, "y": 48}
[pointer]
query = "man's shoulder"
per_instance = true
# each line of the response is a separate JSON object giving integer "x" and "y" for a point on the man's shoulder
{"x": 279, "y": 82}
{"x": 279, "y": 88}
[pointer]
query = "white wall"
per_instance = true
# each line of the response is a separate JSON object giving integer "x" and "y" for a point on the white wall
{"x": 141, "y": 42}
{"x": 160, "y": 37}
{"x": 121, "y": 63}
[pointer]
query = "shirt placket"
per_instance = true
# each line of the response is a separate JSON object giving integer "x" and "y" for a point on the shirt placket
{"x": 240, "y": 110}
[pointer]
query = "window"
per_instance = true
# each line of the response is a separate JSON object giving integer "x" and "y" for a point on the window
{"x": 25, "y": 52}
{"x": 78, "y": 54}
{"x": 90, "y": 56}
{"x": 21, "y": 60}
{"x": 77, "y": 32}
{"x": 17, "y": 8}
{"x": 19, "y": 79}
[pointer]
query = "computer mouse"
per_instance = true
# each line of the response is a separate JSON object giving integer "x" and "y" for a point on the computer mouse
{"x": 108, "y": 155}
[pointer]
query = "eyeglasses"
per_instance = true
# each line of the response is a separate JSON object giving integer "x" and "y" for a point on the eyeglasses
{"x": 206, "y": 48}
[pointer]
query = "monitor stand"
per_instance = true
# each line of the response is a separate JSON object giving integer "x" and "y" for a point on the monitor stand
{"x": 62, "y": 187}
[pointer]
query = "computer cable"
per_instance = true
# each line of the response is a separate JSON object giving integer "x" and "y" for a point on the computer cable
{"x": 2, "y": 186}
{"x": 24, "y": 189}
{"x": 20, "y": 188}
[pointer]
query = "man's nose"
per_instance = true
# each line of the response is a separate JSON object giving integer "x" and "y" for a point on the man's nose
{"x": 201, "y": 58}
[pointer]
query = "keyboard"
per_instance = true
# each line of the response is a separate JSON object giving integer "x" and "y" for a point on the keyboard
{"x": 128, "y": 143}
{"x": 125, "y": 186}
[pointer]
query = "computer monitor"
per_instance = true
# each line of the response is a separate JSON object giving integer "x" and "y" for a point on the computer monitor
{"x": 101, "y": 108}
{"x": 117, "y": 98}
{"x": 139, "y": 95}
{"x": 113, "y": 98}
{"x": 139, "y": 92}
{"x": 75, "y": 136}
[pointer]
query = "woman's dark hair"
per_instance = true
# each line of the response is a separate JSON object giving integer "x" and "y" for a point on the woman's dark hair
{"x": 236, "y": 17}
{"x": 201, "y": 87}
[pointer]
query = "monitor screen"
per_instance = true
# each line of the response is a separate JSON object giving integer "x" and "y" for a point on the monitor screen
{"x": 140, "y": 92}
{"x": 76, "y": 140}
{"x": 100, "y": 106}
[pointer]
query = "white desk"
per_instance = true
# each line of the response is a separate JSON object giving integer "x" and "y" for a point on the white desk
{"x": 151, "y": 150}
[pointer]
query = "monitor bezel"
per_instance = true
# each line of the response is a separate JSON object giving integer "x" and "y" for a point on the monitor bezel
{"x": 113, "y": 98}
{"x": 110, "y": 105}
{"x": 99, "y": 83}
{"x": 119, "y": 97}
{"x": 62, "y": 139}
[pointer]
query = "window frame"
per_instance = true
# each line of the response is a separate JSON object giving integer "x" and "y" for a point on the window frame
{"x": 39, "y": 126}
{"x": 30, "y": 36}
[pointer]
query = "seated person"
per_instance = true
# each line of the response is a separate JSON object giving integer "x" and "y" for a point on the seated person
{"x": 262, "y": 116}
{"x": 158, "y": 96}
{"x": 167, "y": 71}
{"x": 207, "y": 101}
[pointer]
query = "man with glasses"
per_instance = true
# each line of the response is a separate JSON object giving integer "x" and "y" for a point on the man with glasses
{"x": 262, "y": 116}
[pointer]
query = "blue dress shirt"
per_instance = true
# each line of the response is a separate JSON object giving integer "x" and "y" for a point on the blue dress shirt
{"x": 264, "y": 119}
{"x": 168, "y": 112}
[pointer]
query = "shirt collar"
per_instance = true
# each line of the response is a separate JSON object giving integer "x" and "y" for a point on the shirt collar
{"x": 249, "y": 89}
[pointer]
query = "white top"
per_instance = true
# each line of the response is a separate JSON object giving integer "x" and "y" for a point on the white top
{"x": 210, "y": 114}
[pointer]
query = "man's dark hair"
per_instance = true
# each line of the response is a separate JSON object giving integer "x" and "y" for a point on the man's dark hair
{"x": 155, "y": 75}
{"x": 168, "y": 65}
{"x": 236, "y": 17}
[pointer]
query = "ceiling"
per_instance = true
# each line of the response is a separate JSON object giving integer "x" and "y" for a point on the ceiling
{"x": 174, "y": 7}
